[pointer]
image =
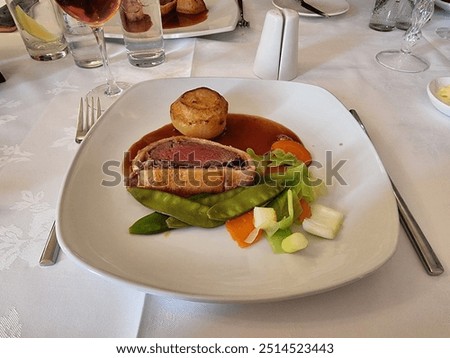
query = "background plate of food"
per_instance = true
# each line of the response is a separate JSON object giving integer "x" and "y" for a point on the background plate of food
{"x": 95, "y": 210}
{"x": 220, "y": 16}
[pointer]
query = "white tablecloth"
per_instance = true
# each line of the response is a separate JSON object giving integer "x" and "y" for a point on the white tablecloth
{"x": 38, "y": 108}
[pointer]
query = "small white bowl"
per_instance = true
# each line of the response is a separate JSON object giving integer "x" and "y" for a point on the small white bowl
{"x": 432, "y": 90}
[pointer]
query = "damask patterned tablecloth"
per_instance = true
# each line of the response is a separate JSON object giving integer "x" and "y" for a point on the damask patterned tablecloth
{"x": 38, "y": 110}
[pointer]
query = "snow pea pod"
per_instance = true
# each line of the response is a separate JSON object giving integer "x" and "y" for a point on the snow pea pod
{"x": 205, "y": 199}
{"x": 244, "y": 201}
{"x": 174, "y": 223}
{"x": 153, "y": 223}
{"x": 212, "y": 199}
{"x": 279, "y": 204}
{"x": 186, "y": 210}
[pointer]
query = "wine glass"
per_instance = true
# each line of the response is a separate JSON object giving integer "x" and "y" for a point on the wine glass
{"x": 404, "y": 60}
{"x": 95, "y": 13}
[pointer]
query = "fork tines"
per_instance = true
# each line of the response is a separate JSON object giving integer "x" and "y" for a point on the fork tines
{"x": 87, "y": 120}
{"x": 243, "y": 23}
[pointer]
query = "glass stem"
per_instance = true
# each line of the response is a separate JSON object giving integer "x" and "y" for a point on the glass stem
{"x": 112, "y": 87}
{"x": 422, "y": 12}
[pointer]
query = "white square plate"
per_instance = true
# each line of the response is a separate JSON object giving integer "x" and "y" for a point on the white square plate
{"x": 94, "y": 213}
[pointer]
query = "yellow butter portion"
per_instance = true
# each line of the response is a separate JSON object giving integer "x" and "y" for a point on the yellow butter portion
{"x": 444, "y": 94}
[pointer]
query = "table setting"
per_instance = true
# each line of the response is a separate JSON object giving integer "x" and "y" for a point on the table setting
{"x": 314, "y": 69}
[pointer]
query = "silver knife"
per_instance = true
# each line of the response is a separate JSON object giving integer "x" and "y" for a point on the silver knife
{"x": 312, "y": 8}
{"x": 420, "y": 243}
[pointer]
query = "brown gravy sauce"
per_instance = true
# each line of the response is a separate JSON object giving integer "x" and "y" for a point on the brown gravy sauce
{"x": 242, "y": 131}
{"x": 175, "y": 19}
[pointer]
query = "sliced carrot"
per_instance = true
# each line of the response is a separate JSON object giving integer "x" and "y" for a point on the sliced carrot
{"x": 306, "y": 210}
{"x": 240, "y": 227}
{"x": 295, "y": 148}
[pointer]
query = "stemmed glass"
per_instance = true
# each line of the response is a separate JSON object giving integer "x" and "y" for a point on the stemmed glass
{"x": 95, "y": 13}
{"x": 404, "y": 60}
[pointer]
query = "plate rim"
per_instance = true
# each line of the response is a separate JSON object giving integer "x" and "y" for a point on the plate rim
{"x": 213, "y": 298}
{"x": 311, "y": 14}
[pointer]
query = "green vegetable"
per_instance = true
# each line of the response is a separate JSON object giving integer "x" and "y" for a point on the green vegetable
{"x": 211, "y": 199}
{"x": 153, "y": 223}
{"x": 205, "y": 199}
{"x": 264, "y": 217}
{"x": 294, "y": 242}
{"x": 186, "y": 210}
{"x": 244, "y": 201}
{"x": 271, "y": 225}
{"x": 324, "y": 222}
{"x": 279, "y": 204}
{"x": 276, "y": 240}
{"x": 174, "y": 223}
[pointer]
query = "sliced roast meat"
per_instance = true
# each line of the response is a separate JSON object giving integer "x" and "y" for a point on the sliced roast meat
{"x": 187, "y": 166}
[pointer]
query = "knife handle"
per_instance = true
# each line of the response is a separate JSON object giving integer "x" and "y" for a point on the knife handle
{"x": 420, "y": 243}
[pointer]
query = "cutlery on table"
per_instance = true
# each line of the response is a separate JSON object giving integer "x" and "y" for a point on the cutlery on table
{"x": 85, "y": 122}
{"x": 312, "y": 8}
{"x": 420, "y": 243}
{"x": 242, "y": 22}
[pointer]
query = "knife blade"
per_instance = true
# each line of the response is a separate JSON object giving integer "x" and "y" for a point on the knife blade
{"x": 312, "y": 8}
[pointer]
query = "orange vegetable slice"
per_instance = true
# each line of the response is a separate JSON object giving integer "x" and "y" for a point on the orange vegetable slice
{"x": 306, "y": 210}
{"x": 240, "y": 227}
{"x": 295, "y": 148}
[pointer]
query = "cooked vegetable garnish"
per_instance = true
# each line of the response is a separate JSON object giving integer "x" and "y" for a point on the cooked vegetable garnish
{"x": 295, "y": 148}
{"x": 324, "y": 222}
{"x": 264, "y": 218}
{"x": 241, "y": 227}
{"x": 205, "y": 199}
{"x": 186, "y": 210}
{"x": 244, "y": 201}
{"x": 305, "y": 210}
{"x": 294, "y": 242}
{"x": 153, "y": 223}
{"x": 280, "y": 205}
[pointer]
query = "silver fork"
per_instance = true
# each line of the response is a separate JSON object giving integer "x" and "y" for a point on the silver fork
{"x": 85, "y": 122}
{"x": 242, "y": 22}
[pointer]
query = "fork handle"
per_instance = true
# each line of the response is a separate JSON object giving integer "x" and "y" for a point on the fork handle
{"x": 241, "y": 7}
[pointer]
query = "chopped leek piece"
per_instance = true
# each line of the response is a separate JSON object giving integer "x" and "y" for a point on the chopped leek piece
{"x": 324, "y": 222}
{"x": 252, "y": 236}
{"x": 264, "y": 218}
{"x": 294, "y": 242}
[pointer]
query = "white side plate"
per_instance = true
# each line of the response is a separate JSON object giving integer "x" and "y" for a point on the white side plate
{"x": 223, "y": 16}
{"x": 330, "y": 7}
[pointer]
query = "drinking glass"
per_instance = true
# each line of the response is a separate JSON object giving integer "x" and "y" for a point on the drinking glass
{"x": 95, "y": 13}
{"x": 404, "y": 60}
